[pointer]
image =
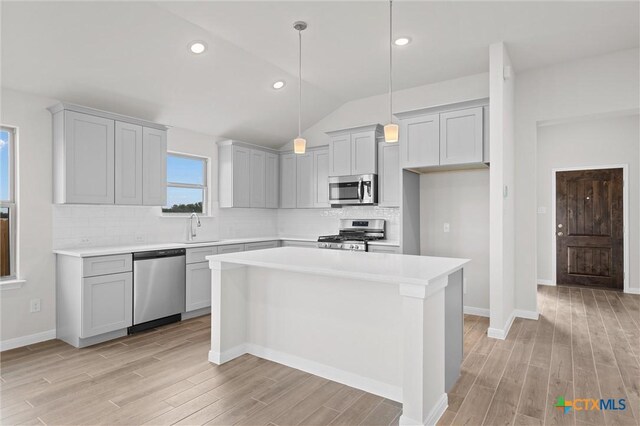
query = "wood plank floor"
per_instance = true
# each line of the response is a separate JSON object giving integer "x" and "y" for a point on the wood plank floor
{"x": 586, "y": 344}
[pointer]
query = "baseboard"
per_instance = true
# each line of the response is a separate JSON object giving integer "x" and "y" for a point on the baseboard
{"x": 18, "y": 342}
{"x": 432, "y": 418}
{"x": 502, "y": 334}
{"x": 220, "y": 358}
{"x": 197, "y": 313}
{"x": 337, "y": 375}
{"x": 481, "y": 312}
{"x": 633, "y": 291}
{"x": 521, "y": 313}
{"x": 546, "y": 282}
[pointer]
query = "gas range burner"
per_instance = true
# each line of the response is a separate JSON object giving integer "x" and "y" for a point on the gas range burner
{"x": 354, "y": 235}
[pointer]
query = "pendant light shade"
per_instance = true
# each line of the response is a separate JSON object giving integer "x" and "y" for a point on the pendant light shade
{"x": 299, "y": 143}
{"x": 391, "y": 130}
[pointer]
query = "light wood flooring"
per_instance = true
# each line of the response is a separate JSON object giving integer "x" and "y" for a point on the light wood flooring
{"x": 586, "y": 344}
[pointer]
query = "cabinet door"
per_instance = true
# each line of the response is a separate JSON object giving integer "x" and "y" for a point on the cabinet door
{"x": 154, "y": 167}
{"x": 389, "y": 174}
{"x": 198, "y": 294}
{"x": 321, "y": 178}
{"x": 340, "y": 155}
{"x": 257, "y": 173}
{"x": 128, "y": 163}
{"x": 89, "y": 156}
{"x": 304, "y": 180}
{"x": 272, "y": 184}
{"x": 241, "y": 176}
{"x": 364, "y": 153}
{"x": 420, "y": 141}
{"x": 107, "y": 303}
{"x": 288, "y": 173}
{"x": 461, "y": 136}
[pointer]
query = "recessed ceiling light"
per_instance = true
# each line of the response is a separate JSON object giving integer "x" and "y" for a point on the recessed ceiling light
{"x": 197, "y": 47}
{"x": 402, "y": 41}
{"x": 278, "y": 84}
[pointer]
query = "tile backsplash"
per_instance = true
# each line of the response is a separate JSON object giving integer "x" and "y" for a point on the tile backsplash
{"x": 93, "y": 226}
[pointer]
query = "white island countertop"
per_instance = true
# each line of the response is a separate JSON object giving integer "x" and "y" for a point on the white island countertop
{"x": 377, "y": 267}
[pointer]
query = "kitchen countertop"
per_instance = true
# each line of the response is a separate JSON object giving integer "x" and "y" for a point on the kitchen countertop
{"x": 134, "y": 248}
{"x": 377, "y": 267}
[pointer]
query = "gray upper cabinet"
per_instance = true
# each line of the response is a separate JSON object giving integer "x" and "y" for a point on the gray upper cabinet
{"x": 389, "y": 177}
{"x": 154, "y": 167}
{"x": 101, "y": 157}
{"x": 340, "y": 155}
{"x": 84, "y": 158}
{"x": 445, "y": 137}
{"x": 420, "y": 141}
{"x": 288, "y": 173}
{"x": 128, "y": 163}
{"x": 258, "y": 182}
{"x": 248, "y": 176}
{"x": 272, "y": 184}
{"x": 304, "y": 179}
{"x": 461, "y": 134}
{"x": 321, "y": 178}
{"x": 354, "y": 151}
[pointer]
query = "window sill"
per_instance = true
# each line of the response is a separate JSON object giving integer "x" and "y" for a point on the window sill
{"x": 11, "y": 284}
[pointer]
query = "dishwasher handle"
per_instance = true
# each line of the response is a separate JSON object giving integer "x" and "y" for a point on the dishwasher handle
{"x": 156, "y": 254}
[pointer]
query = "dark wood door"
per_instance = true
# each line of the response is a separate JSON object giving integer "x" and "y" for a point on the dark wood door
{"x": 589, "y": 228}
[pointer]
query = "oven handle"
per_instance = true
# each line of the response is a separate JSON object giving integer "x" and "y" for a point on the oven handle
{"x": 360, "y": 190}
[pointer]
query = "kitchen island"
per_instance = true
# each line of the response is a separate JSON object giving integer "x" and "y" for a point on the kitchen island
{"x": 373, "y": 321}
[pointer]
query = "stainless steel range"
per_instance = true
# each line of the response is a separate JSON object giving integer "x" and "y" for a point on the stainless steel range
{"x": 354, "y": 235}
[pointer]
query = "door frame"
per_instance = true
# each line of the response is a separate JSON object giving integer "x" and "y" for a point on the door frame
{"x": 625, "y": 216}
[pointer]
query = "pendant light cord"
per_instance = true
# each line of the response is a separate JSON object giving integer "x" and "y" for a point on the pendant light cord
{"x": 300, "y": 83}
{"x": 390, "y": 61}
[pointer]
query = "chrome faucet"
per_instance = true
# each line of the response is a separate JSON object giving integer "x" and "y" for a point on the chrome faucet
{"x": 192, "y": 230}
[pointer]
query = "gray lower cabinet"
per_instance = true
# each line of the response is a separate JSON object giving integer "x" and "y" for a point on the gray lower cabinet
{"x": 198, "y": 291}
{"x": 107, "y": 302}
{"x": 231, "y": 248}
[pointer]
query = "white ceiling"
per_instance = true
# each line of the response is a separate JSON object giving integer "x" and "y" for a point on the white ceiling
{"x": 132, "y": 57}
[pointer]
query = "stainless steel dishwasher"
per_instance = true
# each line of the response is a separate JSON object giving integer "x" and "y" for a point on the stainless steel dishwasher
{"x": 158, "y": 288}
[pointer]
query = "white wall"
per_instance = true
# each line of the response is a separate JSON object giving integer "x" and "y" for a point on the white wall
{"x": 501, "y": 192}
{"x": 36, "y": 262}
{"x": 460, "y": 198}
{"x": 589, "y": 142}
{"x": 582, "y": 88}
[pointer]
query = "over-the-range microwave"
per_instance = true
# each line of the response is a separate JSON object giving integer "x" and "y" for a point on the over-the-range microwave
{"x": 353, "y": 190}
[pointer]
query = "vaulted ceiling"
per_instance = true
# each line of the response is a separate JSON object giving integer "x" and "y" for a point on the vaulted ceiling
{"x": 132, "y": 57}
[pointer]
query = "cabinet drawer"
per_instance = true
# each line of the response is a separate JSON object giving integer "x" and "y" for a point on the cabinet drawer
{"x": 261, "y": 246}
{"x": 195, "y": 255}
{"x": 304, "y": 244}
{"x": 102, "y": 265}
{"x": 384, "y": 249}
{"x": 230, "y": 248}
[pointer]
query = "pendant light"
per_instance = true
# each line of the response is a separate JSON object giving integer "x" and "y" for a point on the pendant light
{"x": 299, "y": 143}
{"x": 391, "y": 129}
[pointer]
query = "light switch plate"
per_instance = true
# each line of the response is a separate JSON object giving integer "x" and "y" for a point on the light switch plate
{"x": 446, "y": 227}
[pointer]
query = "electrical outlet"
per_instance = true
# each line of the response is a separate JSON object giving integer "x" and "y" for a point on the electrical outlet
{"x": 34, "y": 306}
{"x": 140, "y": 238}
{"x": 85, "y": 241}
{"x": 446, "y": 227}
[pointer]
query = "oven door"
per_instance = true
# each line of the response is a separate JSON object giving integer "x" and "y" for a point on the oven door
{"x": 350, "y": 190}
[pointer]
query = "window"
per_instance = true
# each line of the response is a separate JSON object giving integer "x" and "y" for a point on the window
{"x": 7, "y": 203}
{"x": 186, "y": 184}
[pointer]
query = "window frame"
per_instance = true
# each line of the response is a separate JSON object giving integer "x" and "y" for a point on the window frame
{"x": 204, "y": 186}
{"x": 11, "y": 203}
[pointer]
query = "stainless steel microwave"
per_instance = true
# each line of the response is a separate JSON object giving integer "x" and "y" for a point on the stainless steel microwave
{"x": 353, "y": 190}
